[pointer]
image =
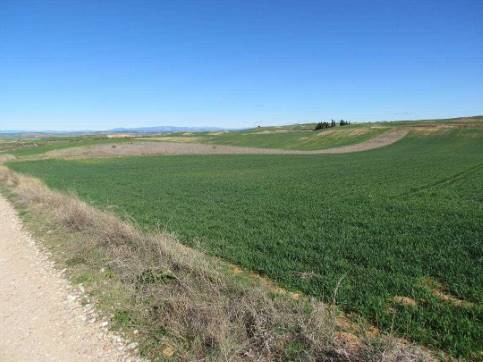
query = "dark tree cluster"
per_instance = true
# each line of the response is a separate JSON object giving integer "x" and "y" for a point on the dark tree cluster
{"x": 332, "y": 123}
{"x": 321, "y": 125}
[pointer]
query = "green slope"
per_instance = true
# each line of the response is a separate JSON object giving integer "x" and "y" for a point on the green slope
{"x": 301, "y": 137}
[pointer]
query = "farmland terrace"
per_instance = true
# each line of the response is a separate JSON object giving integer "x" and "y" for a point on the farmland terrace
{"x": 398, "y": 229}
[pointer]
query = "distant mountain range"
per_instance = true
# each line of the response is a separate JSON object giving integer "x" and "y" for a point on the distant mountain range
{"x": 163, "y": 129}
{"x": 138, "y": 130}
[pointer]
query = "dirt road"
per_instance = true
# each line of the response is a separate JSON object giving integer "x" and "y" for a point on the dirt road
{"x": 40, "y": 317}
{"x": 174, "y": 148}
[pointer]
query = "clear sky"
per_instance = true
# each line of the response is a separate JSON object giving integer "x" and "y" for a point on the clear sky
{"x": 102, "y": 64}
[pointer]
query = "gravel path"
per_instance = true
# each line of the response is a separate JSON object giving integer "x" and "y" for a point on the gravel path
{"x": 178, "y": 148}
{"x": 41, "y": 318}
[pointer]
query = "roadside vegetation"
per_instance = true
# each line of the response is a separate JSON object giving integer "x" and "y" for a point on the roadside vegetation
{"x": 401, "y": 225}
{"x": 180, "y": 304}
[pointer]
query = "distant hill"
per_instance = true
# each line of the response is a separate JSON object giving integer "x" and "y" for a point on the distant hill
{"x": 164, "y": 129}
{"x": 138, "y": 130}
{"x": 174, "y": 129}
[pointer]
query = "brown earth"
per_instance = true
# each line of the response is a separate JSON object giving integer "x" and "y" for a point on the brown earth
{"x": 6, "y": 157}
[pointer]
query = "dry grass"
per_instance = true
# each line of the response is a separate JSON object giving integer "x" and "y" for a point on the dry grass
{"x": 180, "y": 304}
{"x": 359, "y": 131}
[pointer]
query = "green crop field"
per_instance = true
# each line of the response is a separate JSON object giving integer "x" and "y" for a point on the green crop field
{"x": 299, "y": 137}
{"x": 400, "y": 221}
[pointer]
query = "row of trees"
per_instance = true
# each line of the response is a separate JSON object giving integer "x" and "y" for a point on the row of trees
{"x": 322, "y": 125}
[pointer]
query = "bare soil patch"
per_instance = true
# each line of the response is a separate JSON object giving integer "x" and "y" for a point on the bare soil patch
{"x": 6, "y": 157}
{"x": 404, "y": 301}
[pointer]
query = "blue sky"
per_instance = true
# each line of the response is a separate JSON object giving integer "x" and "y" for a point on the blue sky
{"x": 103, "y": 64}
